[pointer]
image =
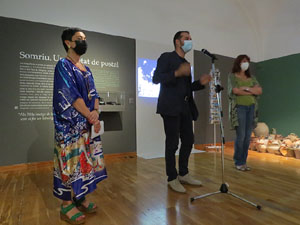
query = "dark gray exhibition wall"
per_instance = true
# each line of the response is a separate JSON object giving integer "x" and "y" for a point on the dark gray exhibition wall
{"x": 204, "y": 132}
{"x": 29, "y": 52}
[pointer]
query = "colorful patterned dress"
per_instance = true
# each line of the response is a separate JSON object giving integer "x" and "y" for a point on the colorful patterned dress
{"x": 78, "y": 159}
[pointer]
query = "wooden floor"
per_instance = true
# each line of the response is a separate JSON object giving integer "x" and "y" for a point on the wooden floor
{"x": 136, "y": 193}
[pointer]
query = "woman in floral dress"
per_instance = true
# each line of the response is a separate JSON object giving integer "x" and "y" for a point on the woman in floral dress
{"x": 78, "y": 159}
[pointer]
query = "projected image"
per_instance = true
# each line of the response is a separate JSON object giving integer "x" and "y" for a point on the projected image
{"x": 146, "y": 88}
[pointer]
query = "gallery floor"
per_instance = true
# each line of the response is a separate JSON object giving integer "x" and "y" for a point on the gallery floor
{"x": 136, "y": 193}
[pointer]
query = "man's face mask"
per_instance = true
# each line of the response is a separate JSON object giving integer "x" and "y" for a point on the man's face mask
{"x": 187, "y": 46}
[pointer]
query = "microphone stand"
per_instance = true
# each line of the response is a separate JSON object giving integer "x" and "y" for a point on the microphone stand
{"x": 224, "y": 187}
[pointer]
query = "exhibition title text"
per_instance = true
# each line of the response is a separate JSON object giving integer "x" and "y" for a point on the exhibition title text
{"x": 55, "y": 58}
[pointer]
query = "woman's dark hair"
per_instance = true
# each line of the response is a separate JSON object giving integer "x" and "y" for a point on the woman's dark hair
{"x": 237, "y": 65}
{"x": 68, "y": 34}
{"x": 177, "y": 36}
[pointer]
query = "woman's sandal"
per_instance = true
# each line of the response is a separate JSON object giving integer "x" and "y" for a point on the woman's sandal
{"x": 81, "y": 207}
{"x": 73, "y": 219}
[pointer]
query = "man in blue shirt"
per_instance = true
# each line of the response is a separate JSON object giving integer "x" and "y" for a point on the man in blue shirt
{"x": 177, "y": 108}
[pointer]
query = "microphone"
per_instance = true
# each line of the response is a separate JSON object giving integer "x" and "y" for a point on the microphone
{"x": 205, "y": 52}
{"x": 218, "y": 88}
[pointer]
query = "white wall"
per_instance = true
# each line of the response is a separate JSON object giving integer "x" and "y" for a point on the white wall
{"x": 217, "y": 25}
{"x": 263, "y": 29}
{"x": 275, "y": 24}
{"x": 149, "y": 126}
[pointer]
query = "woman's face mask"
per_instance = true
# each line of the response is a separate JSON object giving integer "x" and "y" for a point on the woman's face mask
{"x": 244, "y": 66}
{"x": 81, "y": 47}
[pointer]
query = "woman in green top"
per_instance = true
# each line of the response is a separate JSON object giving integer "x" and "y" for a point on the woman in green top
{"x": 243, "y": 91}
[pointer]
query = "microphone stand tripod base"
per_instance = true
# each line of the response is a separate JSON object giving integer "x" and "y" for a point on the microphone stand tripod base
{"x": 224, "y": 190}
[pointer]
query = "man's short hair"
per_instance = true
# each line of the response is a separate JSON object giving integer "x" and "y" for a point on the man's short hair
{"x": 177, "y": 36}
